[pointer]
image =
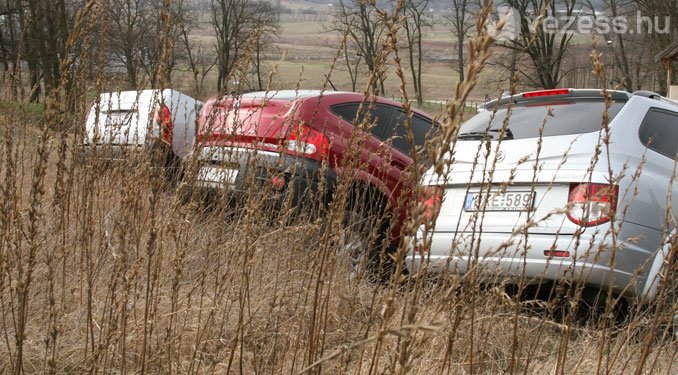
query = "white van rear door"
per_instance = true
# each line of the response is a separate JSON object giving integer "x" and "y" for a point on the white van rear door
{"x": 120, "y": 118}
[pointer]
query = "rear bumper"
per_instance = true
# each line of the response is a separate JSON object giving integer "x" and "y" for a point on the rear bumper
{"x": 117, "y": 152}
{"x": 268, "y": 175}
{"x": 110, "y": 152}
{"x": 502, "y": 258}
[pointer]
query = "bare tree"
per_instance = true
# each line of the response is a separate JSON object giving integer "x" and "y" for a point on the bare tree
{"x": 43, "y": 28}
{"x": 10, "y": 32}
{"x": 414, "y": 21}
{"x": 359, "y": 20}
{"x": 627, "y": 50}
{"x": 171, "y": 17}
{"x": 664, "y": 15}
{"x": 130, "y": 36}
{"x": 629, "y": 53}
{"x": 136, "y": 33}
{"x": 353, "y": 61}
{"x": 266, "y": 25}
{"x": 462, "y": 21}
{"x": 48, "y": 27}
{"x": 620, "y": 53}
{"x": 199, "y": 62}
{"x": 660, "y": 11}
{"x": 240, "y": 26}
{"x": 545, "y": 48}
{"x": 38, "y": 35}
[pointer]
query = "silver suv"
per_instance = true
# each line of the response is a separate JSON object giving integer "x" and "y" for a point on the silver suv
{"x": 557, "y": 186}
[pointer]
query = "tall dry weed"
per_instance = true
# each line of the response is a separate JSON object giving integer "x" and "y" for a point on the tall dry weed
{"x": 112, "y": 267}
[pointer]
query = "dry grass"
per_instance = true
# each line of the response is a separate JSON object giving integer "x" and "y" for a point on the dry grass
{"x": 106, "y": 268}
{"x": 126, "y": 278}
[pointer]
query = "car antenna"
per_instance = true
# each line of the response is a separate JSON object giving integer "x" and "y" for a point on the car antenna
{"x": 330, "y": 82}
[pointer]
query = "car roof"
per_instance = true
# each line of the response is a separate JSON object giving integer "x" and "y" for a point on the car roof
{"x": 288, "y": 94}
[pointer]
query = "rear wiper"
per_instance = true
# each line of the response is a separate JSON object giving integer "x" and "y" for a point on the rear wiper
{"x": 508, "y": 134}
{"x": 485, "y": 135}
{"x": 474, "y": 136}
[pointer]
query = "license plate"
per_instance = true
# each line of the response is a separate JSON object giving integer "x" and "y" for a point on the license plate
{"x": 217, "y": 176}
{"x": 118, "y": 119}
{"x": 499, "y": 201}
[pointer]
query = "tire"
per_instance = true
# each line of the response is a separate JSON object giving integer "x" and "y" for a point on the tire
{"x": 362, "y": 244}
{"x": 163, "y": 157}
{"x": 354, "y": 254}
{"x": 172, "y": 166}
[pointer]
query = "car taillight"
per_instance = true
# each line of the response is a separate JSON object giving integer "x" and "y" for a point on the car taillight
{"x": 536, "y": 94}
{"x": 164, "y": 119}
{"x": 556, "y": 253}
{"x": 592, "y": 204}
{"x": 430, "y": 199}
{"x": 308, "y": 142}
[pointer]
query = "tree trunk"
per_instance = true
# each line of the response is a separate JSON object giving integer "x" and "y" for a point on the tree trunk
{"x": 460, "y": 57}
{"x": 130, "y": 66}
{"x": 420, "y": 56}
{"x": 35, "y": 88}
{"x": 258, "y": 65}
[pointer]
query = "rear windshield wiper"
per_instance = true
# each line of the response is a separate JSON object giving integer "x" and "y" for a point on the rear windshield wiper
{"x": 508, "y": 134}
{"x": 486, "y": 135}
{"x": 474, "y": 136}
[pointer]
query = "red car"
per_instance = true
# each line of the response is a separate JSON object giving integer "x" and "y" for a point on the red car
{"x": 302, "y": 141}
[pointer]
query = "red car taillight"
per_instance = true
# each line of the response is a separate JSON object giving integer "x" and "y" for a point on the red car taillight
{"x": 592, "y": 204}
{"x": 541, "y": 93}
{"x": 430, "y": 198}
{"x": 308, "y": 142}
{"x": 164, "y": 118}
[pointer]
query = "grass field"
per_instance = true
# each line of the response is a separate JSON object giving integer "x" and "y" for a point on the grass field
{"x": 117, "y": 267}
{"x": 104, "y": 269}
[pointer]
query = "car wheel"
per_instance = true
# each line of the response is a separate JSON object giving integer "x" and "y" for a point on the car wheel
{"x": 172, "y": 166}
{"x": 354, "y": 244}
{"x": 361, "y": 245}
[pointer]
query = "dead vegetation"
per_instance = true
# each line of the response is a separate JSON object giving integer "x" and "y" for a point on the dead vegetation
{"x": 106, "y": 268}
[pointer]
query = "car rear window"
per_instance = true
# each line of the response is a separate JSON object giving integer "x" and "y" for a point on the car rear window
{"x": 559, "y": 117}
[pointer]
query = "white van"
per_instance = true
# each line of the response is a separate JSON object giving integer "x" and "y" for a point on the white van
{"x": 120, "y": 124}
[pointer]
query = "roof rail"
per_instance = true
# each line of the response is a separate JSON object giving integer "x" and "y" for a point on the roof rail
{"x": 654, "y": 95}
